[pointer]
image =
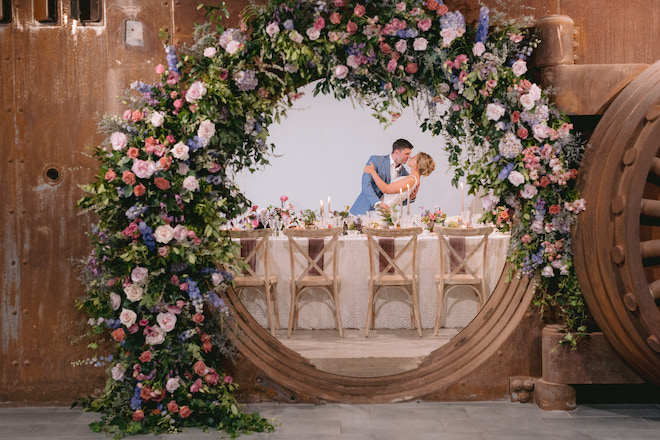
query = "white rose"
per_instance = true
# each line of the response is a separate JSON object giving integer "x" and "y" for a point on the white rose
{"x": 490, "y": 201}
{"x": 401, "y": 46}
{"x": 313, "y": 33}
{"x": 172, "y": 384}
{"x": 233, "y": 46}
{"x": 420, "y": 44}
{"x": 190, "y": 183}
{"x": 272, "y": 29}
{"x": 166, "y": 321}
{"x": 528, "y": 191}
{"x": 183, "y": 168}
{"x": 341, "y": 71}
{"x": 133, "y": 292}
{"x": 295, "y": 36}
{"x": 478, "y": 49}
{"x": 494, "y": 111}
{"x": 209, "y": 52}
{"x": 118, "y": 140}
{"x": 448, "y": 35}
{"x": 164, "y": 234}
{"x": 115, "y": 300}
{"x": 217, "y": 278}
{"x": 537, "y": 226}
{"x": 540, "y": 131}
{"x": 206, "y": 129}
{"x": 196, "y": 91}
{"x": 180, "y": 151}
{"x": 527, "y": 101}
{"x": 156, "y": 337}
{"x": 127, "y": 317}
{"x": 157, "y": 119}
{"x": 548, "y": 272}
{"x": 139, "y": 273}
{"x": 535, "y": 92}
{"x": 118, "y": 372}
{"x": 352, "y": 62}
{"x": 516, "y": 178}
{"x": 519, "y": 67}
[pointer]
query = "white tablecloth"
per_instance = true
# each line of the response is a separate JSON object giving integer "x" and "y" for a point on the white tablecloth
{"x": 316, "y": 310}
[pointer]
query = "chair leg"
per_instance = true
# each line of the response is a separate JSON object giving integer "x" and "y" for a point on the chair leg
{"x": 292, "y": 309}
{"x": 438, "y": 313}
{"x": 269, "y": 306}
{"x": 275, "y": 308}
{"x": 370, "y": 309}
{"x": 335, "y": 296}
{"x": 416, "y": 309}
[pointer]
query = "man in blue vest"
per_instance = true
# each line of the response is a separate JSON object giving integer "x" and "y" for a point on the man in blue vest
{"x": 389, "y": 168}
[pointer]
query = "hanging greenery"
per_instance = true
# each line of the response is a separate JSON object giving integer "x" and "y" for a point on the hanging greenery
{"x": 164, "y": 188}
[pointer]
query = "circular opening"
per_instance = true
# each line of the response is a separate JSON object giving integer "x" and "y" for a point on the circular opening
{"x": 52, "y": 174}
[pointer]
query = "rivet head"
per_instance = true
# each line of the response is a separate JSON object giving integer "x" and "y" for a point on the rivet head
{"x": 15, "y": 363}
{"x": 629, "y": 157}
{"x": 26, "y": 363}
{"x": 652, "y": 113}
{"x": 630, "y": 300}
{"x": 618, "y": 205}
{"x": 617, "y": 254}
{"x": 654, "y": 343}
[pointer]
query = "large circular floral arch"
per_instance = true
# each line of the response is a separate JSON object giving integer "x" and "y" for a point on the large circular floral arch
{"x": 165, "y": 186}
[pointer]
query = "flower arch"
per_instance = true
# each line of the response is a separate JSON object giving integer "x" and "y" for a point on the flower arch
{"x": 164, "y": 188}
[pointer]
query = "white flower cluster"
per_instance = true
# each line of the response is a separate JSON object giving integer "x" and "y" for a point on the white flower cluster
{"x": 510, "y": 145}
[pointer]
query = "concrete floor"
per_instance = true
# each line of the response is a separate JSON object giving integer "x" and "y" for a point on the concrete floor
{"x": 402, "y": 421}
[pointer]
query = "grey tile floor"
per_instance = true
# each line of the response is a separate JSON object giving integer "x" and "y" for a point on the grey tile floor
{"x": 401, "y": 421}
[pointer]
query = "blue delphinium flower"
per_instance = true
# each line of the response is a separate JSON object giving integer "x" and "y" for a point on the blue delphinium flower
{"x": 147, "y": 236}
{"x": 504, "y": 172}
{"x": 482, "y": 28}
{"x": 172, "y": 59}
{"x": 136, "y": 400}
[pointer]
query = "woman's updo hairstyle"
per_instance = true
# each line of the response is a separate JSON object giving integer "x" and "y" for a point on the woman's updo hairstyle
{"x": 425, "y": 164}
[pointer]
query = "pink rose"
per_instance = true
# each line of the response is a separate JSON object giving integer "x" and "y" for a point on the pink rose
{"x": 161, "y": 183}
{"x": 163, "y": 251}
{"x": 228, "y": 379}
{"x": 420, "y": 44}
{"x": 411, "y": 68}
{"x": 478, "y": 49}
{"x": 424, "y": 24}
{"x": 185, "y": 412}
{"x": 351, "y": 27}
{"x": 118, "y": 140}
{"x": 166, "y": 321}
{"x": 494, "y": 111}
{"x": 137, "y": 116}
{"x": 401, "y": 45}
{"x": 516, "y": 178}
{"x": 172, "y": 406}
{"x": 522, "y": 133}
{"x": 272, "y": 29}
{"x": 359, "y": 10}
{"x": 385, "y": 48}
{"x": 143, "y": 169}
{"x": 180, "y": 151}
{"x": 110, "y": 175}
{"x": 138, "y": 415}
{"x": 139, "y": 274}
{"x": 391, "y": 65}
{"x": 319, "y": 23}
{"x": 127, "y": 317}
{"x": 160, "y": 69}
{"x": 145, "y": 356}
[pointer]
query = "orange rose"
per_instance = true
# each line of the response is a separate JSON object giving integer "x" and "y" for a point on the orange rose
{"x": 138, "y": 415}
{"x": 139, "y": 190}
{"x": 554, "y": 209}
{"x": 133, "y": 153}
{"x": 162, "y": 183}
{"x": 128, "y": 177}
{"x": 165, "y": 162}
{"x": 119, "y": 334}
{"x": 200, "y": 368}
{"x": 172, "y": 406}
{"x": 185, "y": 412}
{"x": 110, "y": 175}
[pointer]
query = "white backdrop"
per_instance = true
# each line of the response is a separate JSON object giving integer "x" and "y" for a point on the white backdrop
{"x": 323, "y": 146}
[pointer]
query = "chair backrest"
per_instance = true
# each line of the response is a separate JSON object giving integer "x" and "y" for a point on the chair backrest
{"x": 377, "y": 252}
{"x": 260, "y": 237}
{"x": 313, "y": 263}
{"x": 462, "y": 265}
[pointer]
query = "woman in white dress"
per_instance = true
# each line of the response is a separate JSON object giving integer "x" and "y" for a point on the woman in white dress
{"x": 396, "y": 191}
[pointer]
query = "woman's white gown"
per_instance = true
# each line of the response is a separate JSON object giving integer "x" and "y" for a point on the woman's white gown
{"x": 398, "y": 197}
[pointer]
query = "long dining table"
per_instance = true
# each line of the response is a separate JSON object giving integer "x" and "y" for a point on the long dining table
{"x": 316, "y": 309}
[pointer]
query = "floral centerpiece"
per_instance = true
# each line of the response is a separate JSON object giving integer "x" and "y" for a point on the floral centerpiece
{"x": 432, "y": 217}
{"x": 164, "y": 189}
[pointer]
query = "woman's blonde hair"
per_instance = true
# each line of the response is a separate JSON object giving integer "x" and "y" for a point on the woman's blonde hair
{"x": 425, "y": 164}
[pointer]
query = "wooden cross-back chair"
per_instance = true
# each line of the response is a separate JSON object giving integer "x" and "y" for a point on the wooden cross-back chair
{"x": 314, "y": 273}
{"x": 463, "y": 274}
{"x": 391, "y": 273}
{"x": 250, "y": 279}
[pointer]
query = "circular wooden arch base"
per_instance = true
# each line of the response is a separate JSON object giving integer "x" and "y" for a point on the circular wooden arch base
{"x": 617, "y": 243}
{"x": 453, "y": 362}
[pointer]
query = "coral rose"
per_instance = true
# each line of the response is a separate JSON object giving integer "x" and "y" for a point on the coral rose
{"x": 119, "y": 334}
{"x": 185, "y": 412}
{"x": 172, "y": 406}
{"x": 139, "y": 190}
{"x": 138, "y": 415}
{"x": 128, "y": 177}
{"x": 162, "y": 183}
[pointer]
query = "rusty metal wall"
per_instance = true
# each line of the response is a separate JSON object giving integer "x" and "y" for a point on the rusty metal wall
{"x": 55, "y": 78}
